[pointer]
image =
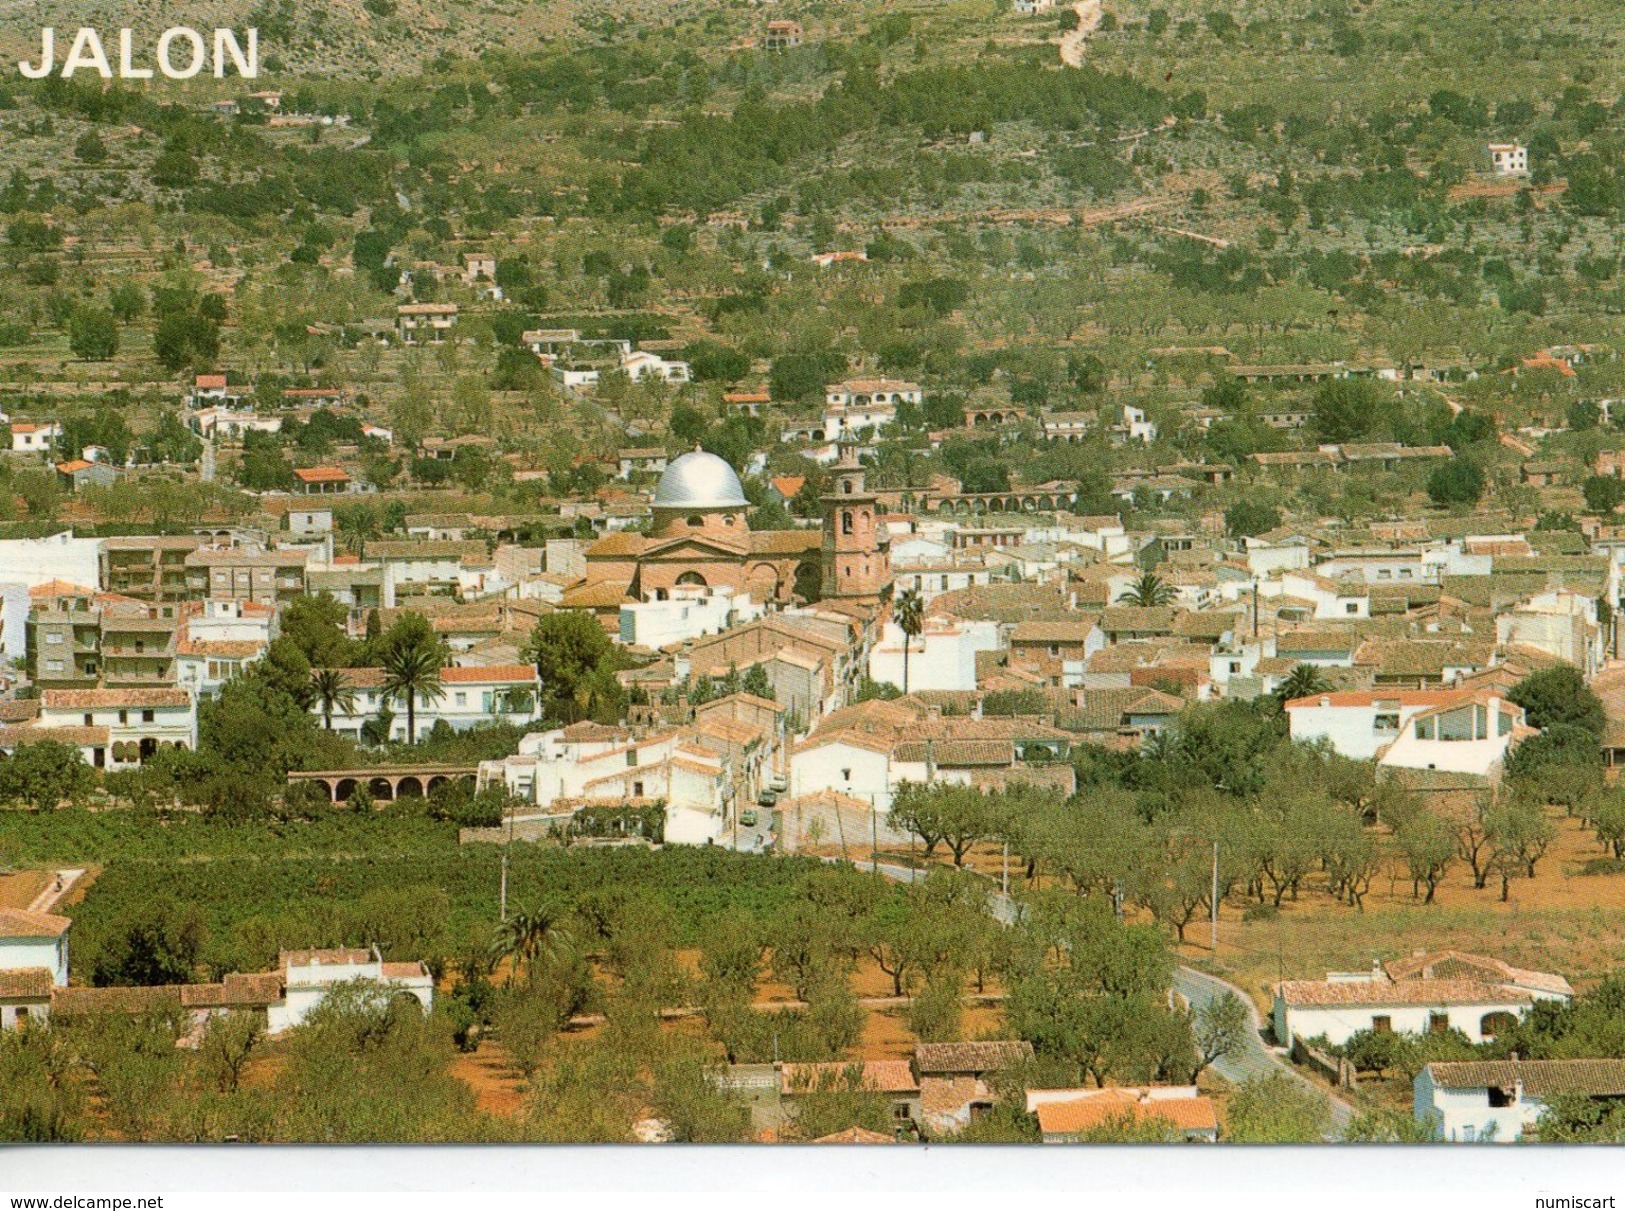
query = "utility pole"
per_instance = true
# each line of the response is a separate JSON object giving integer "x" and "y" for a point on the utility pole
{"x": 1215, "y": 898}
{"x": 502, "y": 898}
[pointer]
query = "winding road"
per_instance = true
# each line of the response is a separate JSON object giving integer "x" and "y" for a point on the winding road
{"x": 1254, "y": 1059}
{"x": 1199, "y": 989}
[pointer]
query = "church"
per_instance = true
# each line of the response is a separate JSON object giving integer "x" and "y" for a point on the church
{"x": 700, "y": 537}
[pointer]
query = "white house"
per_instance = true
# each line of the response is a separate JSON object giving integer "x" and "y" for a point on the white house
{"x": 219, "y": 640}
{"x": 33, "y": 962}
{"x": 1559, "y": 623}
{"x": 309, "y": 975}
{"x": 1462, "y": 731}
{"x": 642, "y": 364}
{"x": 431, "y": 322}
{"x": 30, "y": 438}
{"x": 687, "y": 612}
{"x": 588, "y": 764}
{"x": 230, "y": 425}
{"x": 864, "y": 403}
{"x": 1509, "y": 159}
{"x": 113, "y": 728}
{"x": 1444, "y": 990}
{"x": 940, "y": 657}
{"x": 503, "y": 693}
{"x": 1502, "y": 1101}
{"x": 34, "y": 940}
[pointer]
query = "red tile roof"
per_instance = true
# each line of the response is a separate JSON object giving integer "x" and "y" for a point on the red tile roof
{"x": 20, "y": 923}
{"x": 321, "y": 475}
{"x": 1095, "y": 1108}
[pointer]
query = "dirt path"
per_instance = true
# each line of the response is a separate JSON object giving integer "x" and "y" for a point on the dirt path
{"x": 1089, "y": 14}
{"x": 55, "y": 890}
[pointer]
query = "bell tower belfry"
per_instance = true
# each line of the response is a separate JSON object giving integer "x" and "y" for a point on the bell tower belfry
{"x": 857, "y": 549}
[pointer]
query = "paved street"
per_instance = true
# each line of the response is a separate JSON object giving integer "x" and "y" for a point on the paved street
{"x": 1254, "y": 1059}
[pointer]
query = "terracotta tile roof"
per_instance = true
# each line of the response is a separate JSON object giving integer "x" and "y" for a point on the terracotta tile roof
{"x": 1075, "y": 630}
{"x": 612, "y": 545}
{"x": 855, "y": 1135}
{"x": 879, "y": 1076}
{"x": 337, "y": 955}
{"x": 1095, "y": 1108}
{"x": 497, "y": 672}
{"x": 788, "y": 485}
{"x": 11, "y": 737}
{"x": 1540, "y": 1078}
{"x": 785, "y": 542}
{"x": 598, "y": 595}
{"x": 952, "y": 1058}
{"x": 26, "y": 984}
{"x": 1142, "y": 619}
{"x": 230, "y": 648}
{"x": 425, "y": 548}
{"x": 73, "y": 465}
{"x": 1400, "y": 992}
{"x": 20, "y": 923}
{"x": 1454, "y": 964}
{"x": 19, "y": 710}
{"x": 89, "y": 699}
{"x": 321, "y": 475}
{"x": 956, "y": 753}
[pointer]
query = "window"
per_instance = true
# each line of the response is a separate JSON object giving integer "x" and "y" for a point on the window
{"x": 1388, "y": 721}
{"x": 1438, "y": 1023}
{"x": 53, "y": 666}
{"x": 147, "y": 716}
{"x": 846, "y": 775}
{"x": 1425, "y": 729}
{"x": 846, "y": 523}
{"x": 1235, "y": 666}
{"x": 1382, "y": 1024}
{"x": 637, "y": 790}
{"x": 460, "y": 699}
{"x": 631, "y": 756}
{"x": 53, "y": 636}
{"x": 1501, "y": 1098}
{"x": 1467, "y": 1134}
{"x": 124, "y": 716}
{"x": 1352, "y": 607}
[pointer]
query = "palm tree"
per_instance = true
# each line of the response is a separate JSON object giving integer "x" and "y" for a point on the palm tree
{"x": 358, "y": 525}
{"x": 331, "y": 688}
{"x": 530, "y": 937}
{"x": 1304, "y": 681}
{"x": 1147, "y": 591}
{"x": 909, "y": 613}
{"x": 412, "y": 669}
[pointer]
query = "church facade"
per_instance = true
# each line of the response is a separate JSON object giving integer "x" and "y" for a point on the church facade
{"x": 700, "y": 537}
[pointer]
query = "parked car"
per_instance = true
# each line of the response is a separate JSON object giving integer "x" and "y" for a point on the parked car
{"x": 748, "y": 817}
{"x": 766, "y": 799}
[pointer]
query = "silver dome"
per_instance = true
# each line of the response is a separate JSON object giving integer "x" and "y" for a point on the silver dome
{"x": 698, "y": 480}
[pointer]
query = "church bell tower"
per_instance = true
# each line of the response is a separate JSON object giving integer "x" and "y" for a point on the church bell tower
{"x": 857, "y": 549}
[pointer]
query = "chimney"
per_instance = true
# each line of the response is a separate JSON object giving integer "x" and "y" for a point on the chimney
{"x": 1376, "y": 969}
